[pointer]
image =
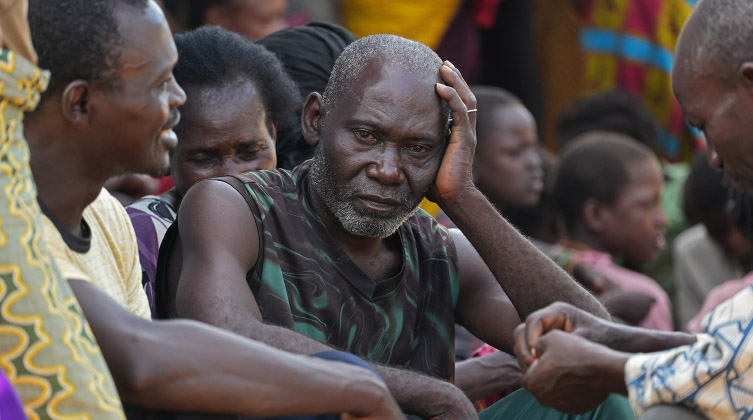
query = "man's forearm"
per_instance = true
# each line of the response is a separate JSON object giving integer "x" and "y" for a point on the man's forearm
{"x": 482, "y": 377}
{"x": 188, "y": 366}
{"x": 414, "y": 392}
{"x": 639, "y": 340}
{"x": 203, "y": 369}
{"x": 513, "y": 259}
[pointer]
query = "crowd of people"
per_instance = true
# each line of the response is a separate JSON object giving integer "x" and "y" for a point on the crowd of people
{"x": 345, "y": 227}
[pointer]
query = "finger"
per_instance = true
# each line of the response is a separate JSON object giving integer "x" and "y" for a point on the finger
{"x": 521, "y": 348}
{"x": 538, "y": 324}
{"x": 457, "y": 106}
{"x": 454, "y": 79}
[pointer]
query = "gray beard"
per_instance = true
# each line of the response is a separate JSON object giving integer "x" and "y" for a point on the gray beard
{"x": 339, "y": 200}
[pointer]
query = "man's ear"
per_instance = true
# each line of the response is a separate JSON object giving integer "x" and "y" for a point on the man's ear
{"x": 312, "y": 118}
{"x": 593, "y": 215}
{"x": 75, "y": 102}
{"x": 745, "y": 75}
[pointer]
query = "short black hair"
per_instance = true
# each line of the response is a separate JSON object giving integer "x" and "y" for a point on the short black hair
{"x": 211, "y": 57}
{"x": 78, "y": 39}
{"x": 594, "y": 166}
{"x": 615, "y": 111}
{"x": 489, "y": 98}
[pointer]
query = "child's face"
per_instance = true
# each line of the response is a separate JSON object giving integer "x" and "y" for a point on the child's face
{"x": 634, "y": 225}
{"x": 507, "y": 167}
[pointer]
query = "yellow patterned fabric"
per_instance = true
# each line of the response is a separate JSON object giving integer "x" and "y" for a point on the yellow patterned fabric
{"x": 112, "y": 261}
{"x": 47, "y": 349}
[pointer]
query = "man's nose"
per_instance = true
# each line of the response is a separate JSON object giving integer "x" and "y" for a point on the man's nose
{"x": 387, "y": 169}
{"x": 177, "y": 95}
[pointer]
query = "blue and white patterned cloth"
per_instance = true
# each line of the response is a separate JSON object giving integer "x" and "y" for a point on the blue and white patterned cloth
{"x": 713, "y": 376}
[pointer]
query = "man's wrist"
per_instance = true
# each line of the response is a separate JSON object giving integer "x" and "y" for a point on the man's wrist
{"x": 454, "y": 207}
{"x": 610, "y": 368}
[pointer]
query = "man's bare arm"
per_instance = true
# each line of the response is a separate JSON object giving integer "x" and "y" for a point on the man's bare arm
{"x": 212, "y": 288}
{"x": 187, "y": 366}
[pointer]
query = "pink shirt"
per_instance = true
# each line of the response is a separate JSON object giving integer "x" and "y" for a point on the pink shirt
{"x": 660, "y": 315}
{"x": 716, "y": 296}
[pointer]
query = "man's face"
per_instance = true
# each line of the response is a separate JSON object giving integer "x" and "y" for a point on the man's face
{"x": 507, "y": 165}
{"x": 379, "y": 150}
{"x": 719, "y": 109}
{"x": 255, "y": 18}
{"x": 227, "y": 135}
{"x": 634, "y": 225}
{"x": 135, "y": 118}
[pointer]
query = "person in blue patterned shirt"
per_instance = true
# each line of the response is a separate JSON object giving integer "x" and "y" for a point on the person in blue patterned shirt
{"x": 574, "y": 359}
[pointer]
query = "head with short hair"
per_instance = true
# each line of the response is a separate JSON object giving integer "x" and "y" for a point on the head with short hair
{"x": 79, "y": 39}
{"x": 408, "y": 55}
{"x": 380, "y": 130}
{"x": 239, "y": 95}
{"x": 308, "y": 54}
{"x": 712, "y": 78}
{"x": 112, "y": 99}
{"x": 608, "y": 188}
{"x": 615, "y": 111}
{"x": 507, "y": 166}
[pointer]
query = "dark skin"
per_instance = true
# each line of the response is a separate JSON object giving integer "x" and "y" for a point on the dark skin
{"x": 407, "y": 159}
{"x": 153, "y": 364}
{"x": 711, "y": 103}
{"x": 575, "y": 360}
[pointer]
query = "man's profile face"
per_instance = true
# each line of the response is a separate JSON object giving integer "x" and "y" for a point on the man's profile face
{"x": 136, "y": 117}
{"x": 719, "y": 108}
{"x": 380, "y": 150}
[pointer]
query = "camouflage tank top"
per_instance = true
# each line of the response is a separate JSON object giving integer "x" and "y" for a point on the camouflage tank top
{"x": 304, "y": 280}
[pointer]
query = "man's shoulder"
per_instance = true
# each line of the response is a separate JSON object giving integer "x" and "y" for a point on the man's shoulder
{"x": 106, "y": 215}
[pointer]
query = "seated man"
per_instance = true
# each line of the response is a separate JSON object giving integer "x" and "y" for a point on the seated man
{"x": 238, "y": 97}
{"x": 576, "y": 360}
{"x": 608, "y": 191}
{"x": 334, "y": 253}
{"x": 110, "y": 109}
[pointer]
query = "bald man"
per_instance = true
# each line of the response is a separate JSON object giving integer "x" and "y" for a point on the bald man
{"x": 575, "y": 359}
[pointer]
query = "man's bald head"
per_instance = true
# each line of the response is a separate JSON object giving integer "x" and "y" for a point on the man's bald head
{"x": 720, "y": 32}
{"x": 382, "y": 49}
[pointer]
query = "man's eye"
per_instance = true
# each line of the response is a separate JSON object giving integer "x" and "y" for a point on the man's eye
{"x": 365, "y": 135}
{"x": 417, "y": 148}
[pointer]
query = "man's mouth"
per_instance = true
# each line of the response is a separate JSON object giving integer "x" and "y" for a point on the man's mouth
{"x": 378, "y": 203}
{"x": 167, "y": 134}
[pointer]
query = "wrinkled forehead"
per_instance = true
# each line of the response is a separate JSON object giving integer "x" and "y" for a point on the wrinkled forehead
{"x": 388, "y": 85}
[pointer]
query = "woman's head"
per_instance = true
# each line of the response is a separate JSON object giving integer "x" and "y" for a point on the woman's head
{"x": 507, "y": 166}
{"x": 239, "y": 96}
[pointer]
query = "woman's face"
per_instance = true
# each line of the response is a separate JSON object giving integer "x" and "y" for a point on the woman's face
{"x": 226, "y": 133}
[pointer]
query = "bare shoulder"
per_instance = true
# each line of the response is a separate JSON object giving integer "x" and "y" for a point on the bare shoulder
{"x": 213, "y": 213}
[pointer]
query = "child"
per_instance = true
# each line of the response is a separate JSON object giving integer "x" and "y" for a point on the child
{"x": 608, "y": 191}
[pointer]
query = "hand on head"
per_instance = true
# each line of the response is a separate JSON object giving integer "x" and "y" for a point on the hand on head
{"x": 455, "y": 174}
